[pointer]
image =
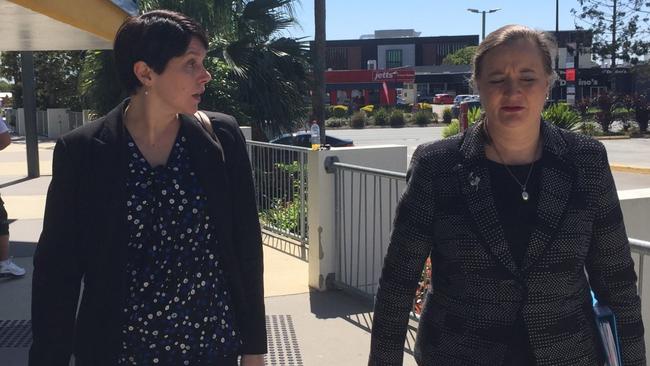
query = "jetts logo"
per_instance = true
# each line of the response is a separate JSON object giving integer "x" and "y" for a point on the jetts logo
{"x": 384, "y": 75}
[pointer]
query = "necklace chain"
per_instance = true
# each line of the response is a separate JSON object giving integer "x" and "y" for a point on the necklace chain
{"x": 524, "y": 192}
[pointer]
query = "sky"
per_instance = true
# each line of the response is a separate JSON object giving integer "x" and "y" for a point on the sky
{"x": 349, "y": 19}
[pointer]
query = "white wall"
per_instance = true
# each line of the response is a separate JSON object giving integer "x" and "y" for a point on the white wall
{"x": 57, "y": 122}
{"x": 635, "y": 205}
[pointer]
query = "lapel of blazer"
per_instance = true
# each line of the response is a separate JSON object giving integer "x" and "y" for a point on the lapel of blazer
{"x": 109, "y": 171}
{"x": 556, "y": 184}
{"x": 475, "y": 187}
{"x": 207, "y": 159}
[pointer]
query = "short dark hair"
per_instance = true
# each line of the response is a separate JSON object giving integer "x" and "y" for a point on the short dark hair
{"x": 154, "y": 37}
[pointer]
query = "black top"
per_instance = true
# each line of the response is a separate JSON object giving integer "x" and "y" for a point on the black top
{"x": 517, "y": 216}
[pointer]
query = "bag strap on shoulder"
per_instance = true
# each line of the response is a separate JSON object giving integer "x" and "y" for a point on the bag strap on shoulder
{"x": 205, "y": 122}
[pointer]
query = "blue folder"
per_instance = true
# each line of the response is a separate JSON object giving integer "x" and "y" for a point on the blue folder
{"x": 606, "y": 326}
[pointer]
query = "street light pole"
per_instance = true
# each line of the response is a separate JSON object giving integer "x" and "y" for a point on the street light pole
{"x": 483, "y": 12}
{"x": 557, "y": 49}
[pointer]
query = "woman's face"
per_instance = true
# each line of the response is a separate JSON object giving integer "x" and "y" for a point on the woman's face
{"x": 513, "y": 85}
{"x": 181, "y": 84}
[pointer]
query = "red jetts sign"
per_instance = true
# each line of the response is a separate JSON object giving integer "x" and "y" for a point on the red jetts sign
{"x": 371, "y": 76}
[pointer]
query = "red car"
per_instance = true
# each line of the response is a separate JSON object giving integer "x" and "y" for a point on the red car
{"x": 443, "y": 99}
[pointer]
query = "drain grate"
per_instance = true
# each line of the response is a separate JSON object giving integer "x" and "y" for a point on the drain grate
{"x": 282, "y": 342}
{"x": 15, "y": 333}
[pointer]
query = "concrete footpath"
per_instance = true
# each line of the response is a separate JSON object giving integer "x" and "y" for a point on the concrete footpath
{"x": 304, "y": 327}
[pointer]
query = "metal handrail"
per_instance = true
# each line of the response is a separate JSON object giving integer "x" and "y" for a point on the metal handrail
{"x": 373, "y": 171}
{"x": 643, "y": 248}
{"x": 277, "y": 146}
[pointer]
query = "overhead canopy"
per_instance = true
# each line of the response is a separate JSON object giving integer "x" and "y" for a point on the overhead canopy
{"x": 48, "y": 25}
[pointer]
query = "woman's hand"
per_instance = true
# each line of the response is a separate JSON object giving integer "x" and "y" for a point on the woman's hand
{"x": 252, "y": 360}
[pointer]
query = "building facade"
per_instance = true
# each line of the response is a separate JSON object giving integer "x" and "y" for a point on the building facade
{"x": 402, "y": 56}
{"x": 403, "y": 52}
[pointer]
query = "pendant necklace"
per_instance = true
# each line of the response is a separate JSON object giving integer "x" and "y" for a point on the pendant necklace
{"x": 524, "y": 192}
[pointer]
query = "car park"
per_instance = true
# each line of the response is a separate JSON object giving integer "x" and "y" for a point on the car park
{"x": 302, "y": 139}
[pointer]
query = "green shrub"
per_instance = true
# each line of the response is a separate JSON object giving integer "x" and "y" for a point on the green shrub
{"x": 434, "y": 117}
{"x": 622, "y": 114}
{"x": 422, "y": 118}
{"x": 563, "y": 116}
{"x": 591, "y": 128}
{"x": 397, "y": 118}
{"x": 452, "y": 129}
{"x": 381, "y": 117}
{"x": 358, "y": 120}
{"x": 473, "y": 115}
{"x": 336, "y": 122}
{"x": 446, "y": 115}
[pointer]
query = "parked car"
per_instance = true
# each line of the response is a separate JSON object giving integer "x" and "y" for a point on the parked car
{"x": 303, "y": 139}
{"x": 473, "y": 103}
{"x": 460, "y": 97}
{"x": 443, "y": 99}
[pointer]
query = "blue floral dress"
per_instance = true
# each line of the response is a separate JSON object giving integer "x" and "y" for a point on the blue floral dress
{"x": 178, "y": 307}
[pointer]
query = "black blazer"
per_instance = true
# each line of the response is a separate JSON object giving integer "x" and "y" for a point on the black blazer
{"x": 85, "y": 238}
{"x": 478, "y": 290}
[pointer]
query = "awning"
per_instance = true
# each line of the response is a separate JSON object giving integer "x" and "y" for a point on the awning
{"x": 48, "y": 25}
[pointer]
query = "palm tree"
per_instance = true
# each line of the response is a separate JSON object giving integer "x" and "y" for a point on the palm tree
{"x": 259, "y": 76}
{"x": 318, "y": 94}
{"x": 270, "y": 70}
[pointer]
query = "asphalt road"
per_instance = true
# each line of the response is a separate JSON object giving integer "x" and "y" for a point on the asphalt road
{"x": 631, "y": 152}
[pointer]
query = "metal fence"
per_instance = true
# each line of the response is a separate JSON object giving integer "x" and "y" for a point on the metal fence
{"x": 280, "y": 175}
{"x": 75, "y": 120}
{"x": 640, "y": 250}
{"x": 365, "y": 204}
{"x": 41, "y": 123}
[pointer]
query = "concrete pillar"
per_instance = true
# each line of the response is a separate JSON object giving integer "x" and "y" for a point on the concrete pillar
{"x": 323, "y": 255}
{"x": 247, "y": 131}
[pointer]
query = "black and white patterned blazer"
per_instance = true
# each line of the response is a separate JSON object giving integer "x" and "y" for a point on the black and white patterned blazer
{"x": 478, "y": 290}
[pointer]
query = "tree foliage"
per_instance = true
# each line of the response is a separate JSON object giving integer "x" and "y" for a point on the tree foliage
{"x": 57, "y": 77}
{"x": 258, "y": 75}
{"x": 463, "y": 56}
{"x": 620, "y": 28}
{"x": 5, "y": 86}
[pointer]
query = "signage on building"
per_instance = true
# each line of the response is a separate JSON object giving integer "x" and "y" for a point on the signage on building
{"x": 570, "y": 75}
{"x": 370, "y": 76}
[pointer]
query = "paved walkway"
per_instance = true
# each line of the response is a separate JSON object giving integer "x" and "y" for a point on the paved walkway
{"x": 305, "y": 328}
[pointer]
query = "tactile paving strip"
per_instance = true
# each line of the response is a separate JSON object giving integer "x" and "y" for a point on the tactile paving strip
{"x": 282, "y": 342}
{"x": 15, "y": 333}
{"x": 283, "y": 349}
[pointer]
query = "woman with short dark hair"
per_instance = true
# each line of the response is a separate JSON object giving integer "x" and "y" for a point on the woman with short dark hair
{"x": 521, "y": 220}
{"x": 155, "y": 212}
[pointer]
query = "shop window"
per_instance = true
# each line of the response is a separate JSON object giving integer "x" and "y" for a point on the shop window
{"x": 393, "y": 58}
{"x": 336, "y": 58}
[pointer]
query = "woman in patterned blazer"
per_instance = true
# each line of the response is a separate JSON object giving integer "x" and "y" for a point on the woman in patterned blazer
{"x": 520, "y": 219}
